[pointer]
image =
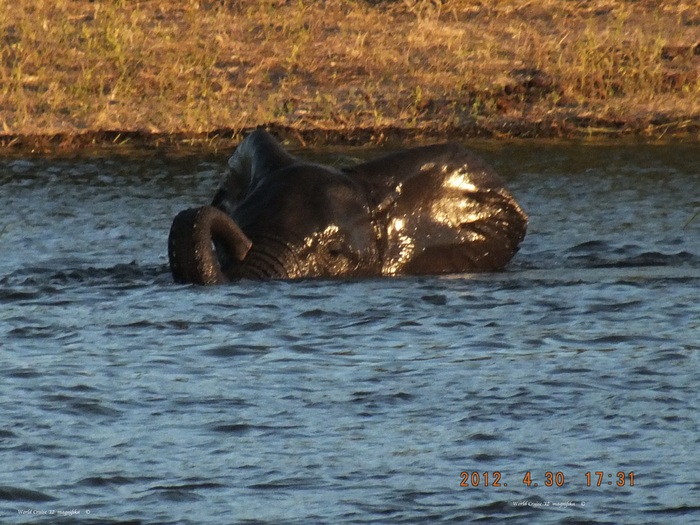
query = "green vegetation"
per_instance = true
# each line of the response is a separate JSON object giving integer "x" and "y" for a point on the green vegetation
{"x": 346, "y": 70}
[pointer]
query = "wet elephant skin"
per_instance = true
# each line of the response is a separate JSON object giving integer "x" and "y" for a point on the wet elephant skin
{"x": 426, "y": 210}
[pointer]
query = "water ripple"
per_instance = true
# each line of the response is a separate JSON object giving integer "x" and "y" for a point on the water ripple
{"x": 350, "y": 401}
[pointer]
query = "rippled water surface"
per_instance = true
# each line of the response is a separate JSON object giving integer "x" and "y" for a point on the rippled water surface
{"x": 128, "y": 399}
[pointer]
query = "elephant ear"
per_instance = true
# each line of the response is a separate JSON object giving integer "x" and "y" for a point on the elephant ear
{"x": 441, "y": 209}
{"x": 256, "y": 157}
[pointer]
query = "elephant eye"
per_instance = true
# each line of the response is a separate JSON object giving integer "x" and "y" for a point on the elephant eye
{"x": 335, "y": 249}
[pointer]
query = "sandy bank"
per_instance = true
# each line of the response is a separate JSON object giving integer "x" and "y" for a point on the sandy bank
{"x": 76, "y": 73}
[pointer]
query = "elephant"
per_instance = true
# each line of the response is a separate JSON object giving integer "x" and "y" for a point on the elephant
{"x": 432, "y": 209}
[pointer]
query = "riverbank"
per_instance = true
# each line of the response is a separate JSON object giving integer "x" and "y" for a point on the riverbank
{"x": 75, "y": 73}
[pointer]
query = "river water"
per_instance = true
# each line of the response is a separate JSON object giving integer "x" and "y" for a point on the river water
{"x": 128, "y": 399}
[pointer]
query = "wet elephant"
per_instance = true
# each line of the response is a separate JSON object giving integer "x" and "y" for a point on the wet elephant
{"x": 426, "y": 210}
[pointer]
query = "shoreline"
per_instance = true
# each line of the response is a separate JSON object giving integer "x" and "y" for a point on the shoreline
{"x": 687, "y": 130}
{"x": 77, "y": 73}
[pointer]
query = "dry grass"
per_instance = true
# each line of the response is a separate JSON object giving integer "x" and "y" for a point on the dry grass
{"x": 344, "y": 69}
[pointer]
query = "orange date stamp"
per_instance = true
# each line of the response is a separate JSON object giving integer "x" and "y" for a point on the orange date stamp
{"x": 497, "y": 479}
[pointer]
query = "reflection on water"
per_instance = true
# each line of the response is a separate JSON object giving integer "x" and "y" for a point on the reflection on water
{"x": 352, "y": 401}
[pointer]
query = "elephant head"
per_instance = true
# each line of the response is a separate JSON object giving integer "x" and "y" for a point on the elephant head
{"x": 426, "y": 210}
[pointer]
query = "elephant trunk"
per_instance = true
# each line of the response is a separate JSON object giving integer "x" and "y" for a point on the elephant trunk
{"x": 191, "y": 249}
